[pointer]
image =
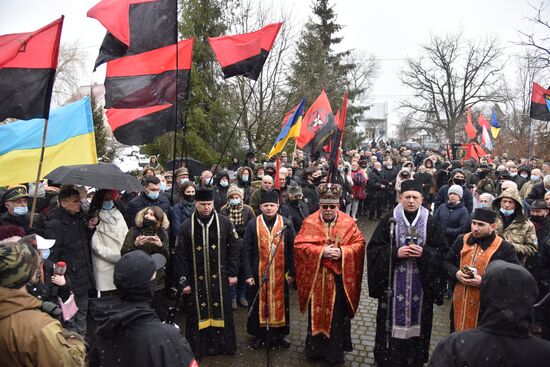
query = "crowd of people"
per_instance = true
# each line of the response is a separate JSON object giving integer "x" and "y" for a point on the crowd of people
{"x": 127, "y": 264}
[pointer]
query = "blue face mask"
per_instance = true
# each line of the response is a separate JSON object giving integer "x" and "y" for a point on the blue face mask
{"x": 224, "y": 183}
{"x": 234, "y": 202}
{"x": 20, "y": 210}
{"x": 107, "y": 205}
{"x": 513, "y": 174}
{"x": 163, "y": 186}
{"x": 483, "y": 205}
{"x": 153, "y": 195}
{"x": 183, "y": 180}
{"x": 507, "y": 212}
{"x": 44, "y": 254}
{"x": 534, "y": 178}
{"x": 244, "y": 178}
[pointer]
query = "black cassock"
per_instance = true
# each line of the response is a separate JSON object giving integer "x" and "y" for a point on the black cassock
{"x": 251, "y": 265}
{"x": 413, "y": 351}
{"x": 206, "y": 254}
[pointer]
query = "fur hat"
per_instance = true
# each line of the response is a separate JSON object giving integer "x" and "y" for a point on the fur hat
{"x": 234, "y": 190}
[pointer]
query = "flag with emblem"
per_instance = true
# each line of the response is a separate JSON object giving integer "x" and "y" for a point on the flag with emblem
{"x": 540, "y": 109}
{"x": 318, "y": 125}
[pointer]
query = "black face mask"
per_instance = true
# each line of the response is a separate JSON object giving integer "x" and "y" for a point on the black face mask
{"x": 538, "y": 218}
{"x": 189, "y": 198}
{"x": 149, "y": 223}
{"x": 295, "y": 202}
{"x": 316, "y": 180}
{"x": 459, "y": 181}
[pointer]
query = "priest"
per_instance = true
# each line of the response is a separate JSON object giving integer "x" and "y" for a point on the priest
{"x": 329, "y": 255}
{"x": 206, "y": 264}
{"x": 417, "y": 279}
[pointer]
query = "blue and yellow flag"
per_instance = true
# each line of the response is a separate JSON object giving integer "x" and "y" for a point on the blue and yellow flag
{"x": 495, "y": 126}
{"x": 291, "y": 129}
{"x": 69, "y": 140}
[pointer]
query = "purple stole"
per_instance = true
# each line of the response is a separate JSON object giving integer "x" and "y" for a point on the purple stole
{"x": 407, "y": 286}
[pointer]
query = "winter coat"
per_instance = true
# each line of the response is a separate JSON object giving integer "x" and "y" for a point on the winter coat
{"x": 467, "y": 198}
{"x": 24, "y": 221}
{"x": 537, "y": 193}
{"x": 143, "y": 201}
{"x": 30, "y": 337}
{"x": 375, "y": 182}
{"x": 427, "y": 181}
{"x": 358, "y": 189}
{"x": 149, "y": 248}
{"x": 390, "y": 174}
{"x": 454, "y": 220}
{"x": 521, "y": 231}
{"x": 72, "y": 245}
{"x": 297, "y": 212}
{"x": 130, "y": 334}
{"x": 527, "y": 187}
{"x": 502, "y": 337}
{"x": 107, "y": 242}
{"x": 248, "y": 214}
{"x": 245, "y": 186}
{"x": 180, "y": 212}
{"x": 311, "y": 197}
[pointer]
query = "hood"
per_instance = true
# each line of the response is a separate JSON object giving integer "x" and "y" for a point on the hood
{"x": 510, "y": 193}
{"x": 241, "y": 170}
{"x": 13, "y": 300}
{"x": 431, "y": 161}
{"x": 113, "y": 315}
{"x": 508, "y": 292}
{"x": 141, "y": 214}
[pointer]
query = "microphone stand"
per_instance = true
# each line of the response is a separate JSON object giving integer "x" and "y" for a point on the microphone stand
{"x": 389, "y": 290}
{"x": 263, "y": 281}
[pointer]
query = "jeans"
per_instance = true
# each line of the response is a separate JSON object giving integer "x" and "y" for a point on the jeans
{"x": 238, "y": 290}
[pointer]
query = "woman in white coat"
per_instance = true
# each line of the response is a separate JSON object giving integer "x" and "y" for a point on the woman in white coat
{"x": 107, "y": 240}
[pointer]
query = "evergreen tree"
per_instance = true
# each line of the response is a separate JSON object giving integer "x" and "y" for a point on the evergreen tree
{"x": 99, "y": 127}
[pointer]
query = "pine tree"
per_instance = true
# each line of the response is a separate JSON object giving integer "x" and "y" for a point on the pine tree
{"x": 99, "y": 127}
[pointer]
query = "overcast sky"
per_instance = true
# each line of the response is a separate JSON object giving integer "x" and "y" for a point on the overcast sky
{"x": 391, "y": 30}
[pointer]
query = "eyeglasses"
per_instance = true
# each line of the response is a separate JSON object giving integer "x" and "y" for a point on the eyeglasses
{"x": 328, "y": 206}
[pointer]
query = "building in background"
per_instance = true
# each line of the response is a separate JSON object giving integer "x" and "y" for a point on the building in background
{"x": 374, "y": 123}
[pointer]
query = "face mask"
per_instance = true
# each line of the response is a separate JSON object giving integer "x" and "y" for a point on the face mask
{"x": 107, "y": 205}
{"x": 20, "y": 210}
{"x": 234, "y": 202}
{"x": 153, "y": 195}
{"x": 483, "y": 205}
{"x": 189, "y": 198}
{"x": 537, "y": 218}
{"x": 534, "y": 178}
{"x": 244, "y": 178}
{"x": 208, "y": 182}
{"x": 317, "y": 180}
{"x": 459, "y": 181}
{"x": 389, "y": 166}
{"x": 340, "y": 169}
{"x": 44, "y": 254}
{"x": 183, "y": 180}
{"x": 162, "y": 186}
{"x": 513, "y": 174}
{"x": 524, "y": 175}
{"x": 507, "y": 212}
{"x": 224, "y": 183}
{"x": 149, "y": 223}
{"x": 295, "y": 201}
{"x": 260, "y": 177}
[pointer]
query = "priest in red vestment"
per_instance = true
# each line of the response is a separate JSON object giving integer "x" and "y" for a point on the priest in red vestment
{"x": 329, "y": 254}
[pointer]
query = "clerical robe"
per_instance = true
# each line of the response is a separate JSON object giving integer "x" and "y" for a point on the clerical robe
{"x": 329, "y": 289}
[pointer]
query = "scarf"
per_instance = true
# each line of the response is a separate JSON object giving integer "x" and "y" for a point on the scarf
{"x": 236, "y": 214}
{"x": 407, "y": 286}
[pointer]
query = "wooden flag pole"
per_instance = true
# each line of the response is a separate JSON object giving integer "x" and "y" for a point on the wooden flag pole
{"x": 43, "y": 148}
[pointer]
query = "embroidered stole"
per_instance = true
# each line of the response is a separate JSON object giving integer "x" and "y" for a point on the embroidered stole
{"x": 407, "y": 285}
{"x": 267, "y": 244}
{"x": 465, "y": 298}
{"x": 207, "y": 276}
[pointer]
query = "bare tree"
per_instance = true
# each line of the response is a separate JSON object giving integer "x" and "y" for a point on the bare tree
{"x": 538, "y": 43}
{"x": 70, "y": 66}
{"x": 451, "y": 75}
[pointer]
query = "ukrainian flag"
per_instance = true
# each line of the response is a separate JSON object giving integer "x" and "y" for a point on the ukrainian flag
{"x": 70, "y": 140}
{"x": 291, "y": 129}
{"x": 495, "y": 125}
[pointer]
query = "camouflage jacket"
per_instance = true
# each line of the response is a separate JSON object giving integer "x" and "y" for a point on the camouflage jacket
{"x": 527, "y": 187}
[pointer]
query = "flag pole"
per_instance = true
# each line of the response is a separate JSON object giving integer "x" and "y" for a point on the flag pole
{"x": 529, "y": 147}
{"x": 176, "y": 115}
{"x": 43, "y": 148}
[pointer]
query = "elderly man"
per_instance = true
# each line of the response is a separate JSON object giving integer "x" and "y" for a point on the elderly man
{"x": 329, "y": 255}
{"x": 534, "y": 179}
{"x": 15, "y": 200}
{"x": 206, "y": 179}
{"x": 417, "y": 282}
{"x": 181, "y": 176}
{"x": 474, "y": 250}
{"x": 269, "y": 236}
{"x": 538, "y": 190}
{"x": 267, "y": 185}
{"x": 207, "y": 263}
{"x": 486, "y": 200}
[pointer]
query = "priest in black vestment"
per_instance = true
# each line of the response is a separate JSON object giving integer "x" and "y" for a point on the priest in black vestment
{"x": 207, "y": 255}
{"x": 417, "y": 279}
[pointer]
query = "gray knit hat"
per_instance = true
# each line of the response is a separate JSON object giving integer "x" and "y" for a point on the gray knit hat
{"x": 455, "y": 189}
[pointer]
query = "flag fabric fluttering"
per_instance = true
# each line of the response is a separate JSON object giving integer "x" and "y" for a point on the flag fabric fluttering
{"x": 482, "y": 122}
{"x": 149, "y": 79}
{"x": 70, "y": 140}
{"x": 469, "y": 127}
{"x": 337, "y": 138}
{"x": 495, "y": 125}
{"x": 135, "y": 26}
{"x": 28, "y": 62}
{"x": 539, "y": 107}
{"x": 291, "y": 128}
{"x": 486, "y": 139}
{"x": 317, "y": 126}
{"x": 245, "y": 54}
{"x": 137, "y": 126}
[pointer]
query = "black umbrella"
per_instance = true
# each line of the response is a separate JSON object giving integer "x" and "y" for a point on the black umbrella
{"x": 100, "y": 176}
{"x": 195, "y": 167}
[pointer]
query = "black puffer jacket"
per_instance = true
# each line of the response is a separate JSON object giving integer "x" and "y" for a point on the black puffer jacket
{"x": 72, "y": 245}
{"x": 537, "y": 193}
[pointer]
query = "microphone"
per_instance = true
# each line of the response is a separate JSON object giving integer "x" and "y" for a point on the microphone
{"x": 283, "y": 228}
{"x": 60, "y": 268}
{"x": 392, "y": 225}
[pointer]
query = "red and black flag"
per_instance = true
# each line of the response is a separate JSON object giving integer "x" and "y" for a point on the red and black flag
{"x": 540, "y": 103}
{"x": 137, "y": 126}
{"x": 318, "y": 126}
{"x": 149, "y": 79}
{"x": 27, "y": 71}
{"x": 337, "y": 137}
{"x": 135, "y": 26}
{"x": 244, "y": 54}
